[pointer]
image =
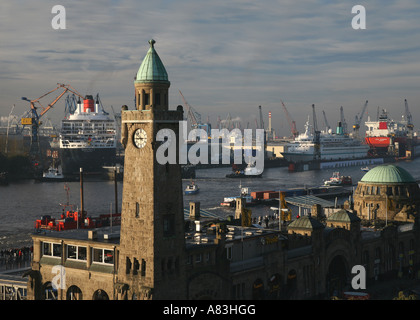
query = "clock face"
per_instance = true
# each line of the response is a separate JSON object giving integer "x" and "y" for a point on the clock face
{"x": 140, "y": 138}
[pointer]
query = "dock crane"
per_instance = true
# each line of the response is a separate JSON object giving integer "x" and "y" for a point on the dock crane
{"x": 327, "y": 125}
{"x": 261, "y": 118}
{"x": 195, "y": 117}
{"x": 343, "y": 120}
{"x": 358, "y": 120}
{"x": 317, "y": 147}
{"x": 292, "y": 123}
{"x": 32, "y": 117}
{"x": 408, "y": 116}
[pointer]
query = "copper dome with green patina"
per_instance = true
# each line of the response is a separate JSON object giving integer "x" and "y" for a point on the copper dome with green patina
{"x": 152, "y": 68}
{"x": 385, "y": 174}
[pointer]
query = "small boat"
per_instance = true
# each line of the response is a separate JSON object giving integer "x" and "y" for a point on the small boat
{"x": 230, "y": 201}
{"x": 365, "y": 169}
{"x": 53, "y": 174}
{"x": 4, "y": 180}
{"x": 337, "y": 180}
{"x": 192, "y": 188}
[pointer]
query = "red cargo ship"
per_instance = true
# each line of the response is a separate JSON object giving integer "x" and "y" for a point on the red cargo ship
{"x": 385, "y": 132}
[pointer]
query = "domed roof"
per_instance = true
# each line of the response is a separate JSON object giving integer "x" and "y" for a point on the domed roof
{"x": 305, "y": 222}
{"x": 152, "y": 68}
{"x": 343, "y": 216}
{"x": 388, "y": 174}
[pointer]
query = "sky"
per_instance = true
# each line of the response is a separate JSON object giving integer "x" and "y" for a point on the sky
{"x": 224, "y": 56}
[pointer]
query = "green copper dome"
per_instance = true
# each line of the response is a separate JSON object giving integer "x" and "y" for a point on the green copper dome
{"x": 152, "y": 68}
{"x": 388, "y": 174}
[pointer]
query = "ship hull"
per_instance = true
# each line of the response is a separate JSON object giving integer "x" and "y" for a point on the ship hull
{"x": 90, "y": 159}
{"x": 329, "y": 155}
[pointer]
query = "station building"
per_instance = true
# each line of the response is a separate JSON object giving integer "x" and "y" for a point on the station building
{"x": 159, "y": 253}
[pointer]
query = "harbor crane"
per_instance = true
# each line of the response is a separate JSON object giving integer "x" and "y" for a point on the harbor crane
{"x": 408, "y": 115}
{"x": 292, "y": 123}
{"x": 32, "y": 117}
{"x": 343, "y": 120}
{"x": 327, "y": 125}
{"x": 358, "y": 119}
{"x": 261, "y": 118}
{"x": 409, "y": 118}
{"x": 195, "y": 118}
{"x": 317, "y": 133}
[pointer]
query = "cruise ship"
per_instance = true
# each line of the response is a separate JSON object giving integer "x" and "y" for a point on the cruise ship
{"x": 87, "y": 139}
{"x": 332, "y": 147}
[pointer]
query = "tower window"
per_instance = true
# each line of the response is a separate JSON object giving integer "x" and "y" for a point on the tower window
{"x": 168, "y": 225}
{"x": 143, "y": 267}
{"x": 137, "y": 209}
{"x": 157, "y": 99}
{"x": 127, "y": 265}
{"x": 146, "y": 99}
{"x": 136, "y": 266}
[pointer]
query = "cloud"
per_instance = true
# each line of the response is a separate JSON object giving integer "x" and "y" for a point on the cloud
{"x": 225, "y": 56}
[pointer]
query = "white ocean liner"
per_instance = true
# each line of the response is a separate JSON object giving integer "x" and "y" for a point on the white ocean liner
{"x": 87, "y": 138}
{"x": 332, "y": 146}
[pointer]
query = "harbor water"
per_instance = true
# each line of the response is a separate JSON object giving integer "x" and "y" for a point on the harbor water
{"x": 21, "y": 203}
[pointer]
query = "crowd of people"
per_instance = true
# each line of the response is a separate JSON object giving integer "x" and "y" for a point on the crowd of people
{"x": 15, "y": 258}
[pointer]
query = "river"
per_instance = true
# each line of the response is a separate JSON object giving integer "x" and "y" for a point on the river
{"x": 21, "y": 203}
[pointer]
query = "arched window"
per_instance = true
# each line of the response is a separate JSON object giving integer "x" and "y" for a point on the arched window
{"x": 100, "y": 295}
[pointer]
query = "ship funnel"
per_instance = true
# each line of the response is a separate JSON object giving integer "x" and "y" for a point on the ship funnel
{"x": 88, "y": 104}
{"x": 339, "y": 128}
{"x": 79, "y": 106}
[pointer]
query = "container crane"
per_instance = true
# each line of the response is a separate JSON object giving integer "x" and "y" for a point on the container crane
{"x": 358, "y": 119}
{"x": 292, "y": 123}
{"x": 32, "y": 117}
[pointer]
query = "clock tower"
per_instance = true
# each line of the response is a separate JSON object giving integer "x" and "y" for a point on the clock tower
{"x": 152, "y": 242}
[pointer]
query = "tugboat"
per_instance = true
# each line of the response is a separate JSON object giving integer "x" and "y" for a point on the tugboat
{"x": 53, "y": 174}
{"x": 250, "y": 171}
{"x": 192, "y": 188}
{"x": 337, "y": 180}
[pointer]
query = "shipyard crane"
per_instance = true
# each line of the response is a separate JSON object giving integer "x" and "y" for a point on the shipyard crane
{"x": 195, "y": 118}
{"x": 261, "y": 118}
{"x": 32, "y": 117}
{"x": 408, "y": 116}
{"x": 358, "y": 120}
{"x": 292, "y": 123}
{"x": 317, "y": 146}
{"x": 343, "y": 120}
{"x": 327, "y": 125}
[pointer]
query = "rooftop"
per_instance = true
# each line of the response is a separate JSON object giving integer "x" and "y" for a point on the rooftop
{"x": 343, "y": 216}
{"x": 388, "y": 174}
